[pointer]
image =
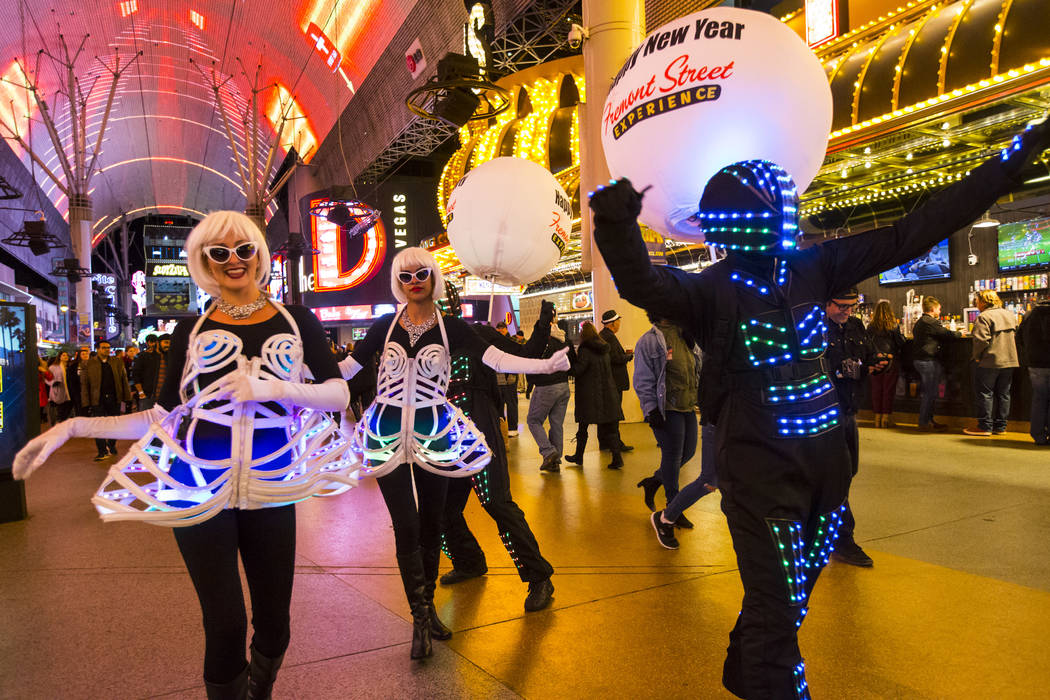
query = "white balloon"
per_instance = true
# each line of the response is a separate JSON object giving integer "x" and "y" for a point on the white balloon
{"x": 707, "y": 90}
{"x": 509, "y": 220}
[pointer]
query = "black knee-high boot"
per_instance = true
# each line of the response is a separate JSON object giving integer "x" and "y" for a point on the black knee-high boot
{"x": 431, "y": 557}
{"x": 237, "y": 689}
{"x": 411, "y": 566}
{"x": 581, "y": 445}
{"x": 262, "y": 672}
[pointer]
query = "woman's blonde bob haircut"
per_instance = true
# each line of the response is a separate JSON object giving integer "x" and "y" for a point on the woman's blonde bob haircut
{"x": 210, "y": 231}
{"x": 413, "y": 259}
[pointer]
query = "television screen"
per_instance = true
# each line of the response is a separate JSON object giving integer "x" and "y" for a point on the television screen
{"x": 933, "y": 266}
{"x": 1024, "y": 245}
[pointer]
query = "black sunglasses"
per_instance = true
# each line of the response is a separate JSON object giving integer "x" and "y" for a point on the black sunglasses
{"x": 420, "y": 275}
{"x": 220, "y": 253}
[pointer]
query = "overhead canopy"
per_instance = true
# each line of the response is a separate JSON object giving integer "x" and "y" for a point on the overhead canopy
{"x": 165, "y": 145}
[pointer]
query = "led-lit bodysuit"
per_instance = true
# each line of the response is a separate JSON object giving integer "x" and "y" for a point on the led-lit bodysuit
{"x": 473, "y": 388}
{"x": 208, "y": 454}
{"x": 783, "y": 465}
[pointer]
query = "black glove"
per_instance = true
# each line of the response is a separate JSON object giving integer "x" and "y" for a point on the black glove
{"x": 655, "y": 419}
{"x": 1027, "y": 146}
{"x": 617, "y": 201}
{"x": 546, "y": 311}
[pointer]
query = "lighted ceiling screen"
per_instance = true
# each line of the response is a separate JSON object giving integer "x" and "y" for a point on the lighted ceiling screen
{"x": 165, "y": 146}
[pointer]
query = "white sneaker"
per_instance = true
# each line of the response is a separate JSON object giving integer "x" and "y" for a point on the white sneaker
{"x": 512, "y": 433}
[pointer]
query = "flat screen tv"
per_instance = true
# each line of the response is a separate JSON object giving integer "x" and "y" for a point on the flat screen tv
{"x": 1024, "y": 245}
{"x": 933, "y": 266}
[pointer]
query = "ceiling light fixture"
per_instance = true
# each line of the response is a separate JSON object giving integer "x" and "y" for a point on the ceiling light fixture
{"x": 986, "y": 221}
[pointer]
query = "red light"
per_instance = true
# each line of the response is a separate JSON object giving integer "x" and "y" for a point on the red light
{"x": 169, "y": 222}
{"x": 324, "y": 46}
{"x": 128, "y": 7}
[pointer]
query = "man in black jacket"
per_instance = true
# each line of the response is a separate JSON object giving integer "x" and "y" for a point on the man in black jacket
{"x": 928, "y": 334}
{"x": 619, "y": 358}
{"x": 1034, "y": 347}
{"x": 782, "y": 460}
{"x": 473, "y": 388}
{"x": 850, "y": 357}
{"x": 550, "y": 399}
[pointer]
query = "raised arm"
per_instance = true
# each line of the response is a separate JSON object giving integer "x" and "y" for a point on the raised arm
{"x": 675, "y": 294}
{"x": 850, "y": 260}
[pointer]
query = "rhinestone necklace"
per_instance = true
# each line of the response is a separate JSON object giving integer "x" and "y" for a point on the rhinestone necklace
{"x": 415, "y": 331}
{"x": 241, "y": 311}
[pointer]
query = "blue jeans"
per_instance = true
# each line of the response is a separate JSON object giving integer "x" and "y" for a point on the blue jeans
{"x": 930, "y": 373}
{"x": 1040, "y": 425}
{"x": 677, "y": 441}
{"x": 548, "y": 402}
{"x": 992, "y": 385}
{"x": 696, "y": 489}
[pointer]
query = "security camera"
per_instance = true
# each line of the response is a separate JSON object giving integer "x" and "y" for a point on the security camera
{"x": 576, "y": 36}
{"x": 971, "y": 259}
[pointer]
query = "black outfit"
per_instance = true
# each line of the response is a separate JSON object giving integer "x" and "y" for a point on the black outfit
{"x": 1033, "y": 337}
{"x": 850, "y": 356}
{"x": 73, "y": 370}
{"x": 783, "y": 465}
{"x": 928, "y": 333}
{"x": 417, "y": 524}
{"x": 264, "y": 538}
{"x": 597, "y": 398}
{"x": 618, "y": 358}
{"x": 472, "y": 390}
{"x": 146, "y": 371}
{"x": 107, "y": 406}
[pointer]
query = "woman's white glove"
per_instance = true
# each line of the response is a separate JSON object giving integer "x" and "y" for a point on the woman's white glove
{"x": 331, "y": 395}
{"x": 512, "y": 364}
{"x": 129, "y": 427}
{"x": 349, "y": 367}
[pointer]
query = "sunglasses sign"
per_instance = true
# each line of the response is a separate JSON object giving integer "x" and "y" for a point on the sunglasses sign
{"x": 707, "y": 90}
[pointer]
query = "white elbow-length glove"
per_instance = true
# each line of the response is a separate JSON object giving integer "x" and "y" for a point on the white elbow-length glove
{"x": 349, "y": 367}
{"x": 130, "y": 427}
{"x": 330, "y": 395}
{"x": 512, "y": 364}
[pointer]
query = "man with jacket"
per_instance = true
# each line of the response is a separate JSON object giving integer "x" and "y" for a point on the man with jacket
{"x": 850, "y": 357}
{"x": 1034, "y": 346}
{"x": 103, "y": 385}
{"x": 667, "y": 381}
{"x": 150, "y": 369}
{"x": 995, "y": 352}
{"x": 550, "y": 399}
{"x": 929, "y": 333}
{"x": 619, "y": 358}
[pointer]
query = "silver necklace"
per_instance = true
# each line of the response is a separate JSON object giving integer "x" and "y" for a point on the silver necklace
{"x": 416, "y": 330}
{"x": 241, "y": 311}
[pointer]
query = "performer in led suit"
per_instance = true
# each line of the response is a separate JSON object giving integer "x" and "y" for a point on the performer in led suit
{"x": 782, "y": 461}
{"x": 235, "y": 439}
{"x": 472, "y": 387}
{"x": 412, "y": 436}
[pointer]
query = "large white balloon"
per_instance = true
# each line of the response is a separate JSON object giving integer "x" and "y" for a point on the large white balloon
{"x": 509, "y": 220}
{"x": 713, "y": 88}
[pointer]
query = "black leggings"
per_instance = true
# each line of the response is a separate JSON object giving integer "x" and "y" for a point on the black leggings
{"x": 265, "y": 539}
{"x": 414, "y": 527}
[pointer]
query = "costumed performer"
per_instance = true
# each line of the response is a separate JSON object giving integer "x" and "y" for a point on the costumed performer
{"x": 473, "y": 388}
{"x": 412, "y": 434}
{"x": 236, "y": 438}
{"x": 782, "y": 461}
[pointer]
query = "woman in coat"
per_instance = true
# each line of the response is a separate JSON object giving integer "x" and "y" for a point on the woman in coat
{"x": 58, "y": 395}
{"x": 888, "y": 341}
{"x": 597, "y": 399}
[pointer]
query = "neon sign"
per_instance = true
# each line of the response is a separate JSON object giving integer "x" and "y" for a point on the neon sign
{"x": 138, "y": 290}
{"x": 167, "y": 270}
{"x": 109, "y": 289}
{"x": 325, "y": 47}
{"x": 359, "y": 312}
{"x": 823, "y": 19}
{"x": 329, "y": 272}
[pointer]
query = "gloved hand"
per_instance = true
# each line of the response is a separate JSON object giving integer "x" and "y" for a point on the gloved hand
{"x": 546, "y": 311}
{"x": 332, "y": 395}
{"x": 617, "y": 201}
{"x": 654, "y": 418}
{"x": 1027, "y": 146}
{"x": 349, "y": 367}
{"x": 512, "y": 364}
{"x": 36, "y": 452}
{"x": 559, "y": 361}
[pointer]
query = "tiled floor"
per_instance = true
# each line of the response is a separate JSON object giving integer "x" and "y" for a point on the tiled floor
{"x": 957, "y": 605}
